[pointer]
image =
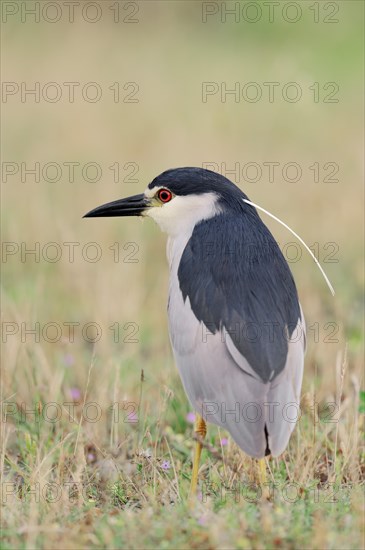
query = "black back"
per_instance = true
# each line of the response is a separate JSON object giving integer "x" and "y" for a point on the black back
{"x": 238, "y": 281}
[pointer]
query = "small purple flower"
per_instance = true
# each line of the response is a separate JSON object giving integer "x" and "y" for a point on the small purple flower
{"x": 166, "y": 465}
{"x": 75, "y": 393}
{"x": 132, "y": 418}
{"x": 68, "y": 360}
{"x": 91, "y": 457}
{"x": 190, "y": 417}
{"x": 224, "y": 441}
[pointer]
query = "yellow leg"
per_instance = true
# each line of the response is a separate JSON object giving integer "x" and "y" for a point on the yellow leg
{"x": 262, "y": 471}
{"x": 200, "y": 429}
{"x": 262, "y": 478}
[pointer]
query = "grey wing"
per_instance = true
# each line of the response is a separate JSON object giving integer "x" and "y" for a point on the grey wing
{"x": 225, "y": 390}
{"x": 285, "y": 392}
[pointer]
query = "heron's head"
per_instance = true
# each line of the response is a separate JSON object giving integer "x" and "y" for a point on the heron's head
{"x": 178, "y": 199}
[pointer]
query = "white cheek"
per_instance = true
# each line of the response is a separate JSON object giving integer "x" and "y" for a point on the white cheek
{"x": 184, "y": 212}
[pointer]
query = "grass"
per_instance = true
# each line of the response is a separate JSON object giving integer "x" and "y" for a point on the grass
{"x": 113, "y": 484}
{"x": 97, "y": 441}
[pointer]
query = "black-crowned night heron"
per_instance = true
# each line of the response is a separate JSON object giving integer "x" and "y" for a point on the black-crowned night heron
{"x": 236, "y": 325}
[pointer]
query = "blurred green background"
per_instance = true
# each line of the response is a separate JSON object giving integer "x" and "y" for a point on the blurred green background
{"x": 169, "y": 53}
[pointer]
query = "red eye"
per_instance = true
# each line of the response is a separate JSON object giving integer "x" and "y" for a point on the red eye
{"x": 164, "y": 195}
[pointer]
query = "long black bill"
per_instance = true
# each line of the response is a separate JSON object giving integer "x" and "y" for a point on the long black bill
{"x": 131, "y": 206}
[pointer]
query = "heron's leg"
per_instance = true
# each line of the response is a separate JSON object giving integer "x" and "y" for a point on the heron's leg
{"x": 262, "y": 479}
{"x": 262, "y": 471}
{"x": 200, "y": 429}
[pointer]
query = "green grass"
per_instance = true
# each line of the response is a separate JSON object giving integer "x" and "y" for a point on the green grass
{"x": 112, "y": 484}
